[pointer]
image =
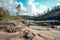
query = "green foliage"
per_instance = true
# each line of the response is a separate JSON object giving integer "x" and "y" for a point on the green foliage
{"x": 45, "y": 26}
{"x": 9, "y": 28}
{"x": 5, "y": 15}
{"x": 17, "y": 17}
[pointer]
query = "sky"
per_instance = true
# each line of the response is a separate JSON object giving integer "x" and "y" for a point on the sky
{"x": 29, "y": 7}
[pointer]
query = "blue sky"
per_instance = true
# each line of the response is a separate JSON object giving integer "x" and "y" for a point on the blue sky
{"x": 28, "y": 7}
{"x": 23, "y": 1}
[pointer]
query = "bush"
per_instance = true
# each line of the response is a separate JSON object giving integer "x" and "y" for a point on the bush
{"x": 9, "y": 28}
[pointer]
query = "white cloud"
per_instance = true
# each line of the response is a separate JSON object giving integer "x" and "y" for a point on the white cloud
{"x": 11, "y": 5}
{"x": 57, "y": 4}
{"x": 42, "y": 8}
{"x": 24, "y": 14}
{"x": 37, "y": 3}
{"x": 33, "y": 7}
{"x": 30, "y": 2}
{"x": 22, "y": 7}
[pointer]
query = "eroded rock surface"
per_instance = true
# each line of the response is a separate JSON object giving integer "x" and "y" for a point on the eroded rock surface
{"x": 25, "y": 33}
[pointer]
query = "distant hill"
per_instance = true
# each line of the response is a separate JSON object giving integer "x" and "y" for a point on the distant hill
{"x": 27, "y": 17}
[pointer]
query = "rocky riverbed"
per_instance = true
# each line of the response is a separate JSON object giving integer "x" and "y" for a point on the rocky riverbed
{"x": 22, "y": 32}
{"x": 31, "y": 34}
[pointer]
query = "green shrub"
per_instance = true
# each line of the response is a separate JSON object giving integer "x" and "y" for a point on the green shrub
{"x": 9, "y": 28}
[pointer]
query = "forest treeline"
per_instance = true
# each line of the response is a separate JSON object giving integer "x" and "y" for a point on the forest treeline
{"x": 53, "y": 14}
{"x": 5, "y": 15}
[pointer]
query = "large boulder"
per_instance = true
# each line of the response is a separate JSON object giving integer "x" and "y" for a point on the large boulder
{"x": 16, "y": 30}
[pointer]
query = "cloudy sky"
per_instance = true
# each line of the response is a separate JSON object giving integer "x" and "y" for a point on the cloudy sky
{"x": 28, "y": 7}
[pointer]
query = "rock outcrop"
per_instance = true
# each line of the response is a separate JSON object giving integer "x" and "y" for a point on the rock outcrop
{"x": 23, "y": 32}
